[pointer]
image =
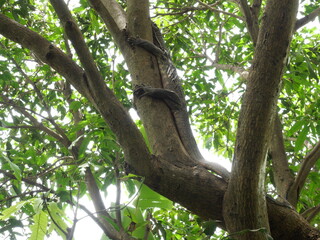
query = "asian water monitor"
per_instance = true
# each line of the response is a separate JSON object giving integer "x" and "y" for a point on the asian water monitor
{"x": 173, "y": 95}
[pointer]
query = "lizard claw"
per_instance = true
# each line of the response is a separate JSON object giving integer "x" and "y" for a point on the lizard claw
{"x": 139, "y": 91}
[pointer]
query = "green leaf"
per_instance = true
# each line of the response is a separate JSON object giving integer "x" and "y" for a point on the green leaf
{"x": 301, "y": 138}
{"x": 5, "y": 214}
{"x": 75, "y": 105}
{"x": 297, "y": 126}
{"x": 57, "y": 215}
{"x": 84, "y": 144}
{"x": 2, "y": 2}
{"x": 14, "y": 167}
{"x": 37, "y": 204}
{"x": 209, "y": 227}
{"x": 149, "y": 198}
{"x": 39, "y": 227}
{"x": 312, "y": 72}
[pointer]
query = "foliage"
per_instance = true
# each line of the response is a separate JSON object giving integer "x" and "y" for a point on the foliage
{"x": 44, "y": 121}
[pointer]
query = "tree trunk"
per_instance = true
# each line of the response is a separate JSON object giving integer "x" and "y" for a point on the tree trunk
{"x": 245, "y": 208}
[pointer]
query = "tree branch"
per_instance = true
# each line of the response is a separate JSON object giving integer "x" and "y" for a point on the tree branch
{"x": 114, "y": 17}
{"x": 61, "y": 138}
{"x": 103, "y": 224}
{"x": 244, "y": 202}
{"x": 251, "y": 18}
{"x": 74, "y": 34}
{"x": 311, "y": 213}
{"x": 307, "y": 164}
{"x": 130, "y": 138}
{"x": 26, "y": 180}
{"x": 118, "y": 195}
{"x": 210, "y": 7}
{"x": 103, "y": 215}
{"x": 64, "y": 139}
{"x": 280, "y": 167}
{"x": 309, "y": 18}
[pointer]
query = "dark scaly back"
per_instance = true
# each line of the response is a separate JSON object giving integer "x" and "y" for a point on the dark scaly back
{"x": 171, "y": 81}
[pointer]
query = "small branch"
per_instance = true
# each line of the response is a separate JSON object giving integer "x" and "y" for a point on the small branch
{"x": 21, "y": 195}
{"x": 39, "y": 94}
{"x": 63, "y": 139}
{"x": 75, "y": 220}
{"x": 118, "y": 195}
{"x": 52, "y": 219}
{"x": 102, "y": 226}
{"x": 309, "y": 18}
{"x": 280, "y": 167}
{"x": 311, "y": 213}
{"x": 99, "y": 206}
{"x": 219, "y": 11}
{"x": 251, "y": 19}
{"x": 27, "y": 79}
{"x": 67, "y": 160}
{"x": 148, "y": 226}
{"x": 307, "y": 164}
{"x": 20, "y": 127}
{"x": 26, "y": 180}
{"x": 180, "y": 11}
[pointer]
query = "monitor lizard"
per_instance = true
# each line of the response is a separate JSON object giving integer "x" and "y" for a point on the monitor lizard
{"x": 173, "y": 95}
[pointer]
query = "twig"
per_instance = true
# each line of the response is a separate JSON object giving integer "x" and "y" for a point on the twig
{"x": 311, "y": 213}
{"x": 118, "y": 195}
{"x": 52, "y": 219}
{"x": 219, "y": 11}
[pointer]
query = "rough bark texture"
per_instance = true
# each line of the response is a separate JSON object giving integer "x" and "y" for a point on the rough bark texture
{"x": 282, "y": 175}
{"x": 244, "y": 203}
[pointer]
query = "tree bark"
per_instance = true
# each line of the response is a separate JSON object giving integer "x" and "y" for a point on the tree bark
{"x": 244, "y": 203}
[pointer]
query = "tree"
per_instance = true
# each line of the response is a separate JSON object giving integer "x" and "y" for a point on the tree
{"x": 67, "y": 131}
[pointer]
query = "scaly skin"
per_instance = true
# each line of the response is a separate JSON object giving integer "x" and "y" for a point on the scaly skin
{"x": 172, "y": 84}
{"x": 172, "y": 94}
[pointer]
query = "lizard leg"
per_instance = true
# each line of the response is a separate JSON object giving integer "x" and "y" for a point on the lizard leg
{"x": 170, "y": 97}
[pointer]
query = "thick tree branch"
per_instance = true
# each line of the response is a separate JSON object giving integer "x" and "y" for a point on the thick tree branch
{"x": 116, "y": 12}
{"x": 307, "y": 164}
{"x": 115, "y": 19}
{"x": 309, "y": 18}
{"x": 280, "y": 166}
{"x": 245, "y": 206}
{"x": 94, "y": 78}
{"x": 135, "y": 149}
